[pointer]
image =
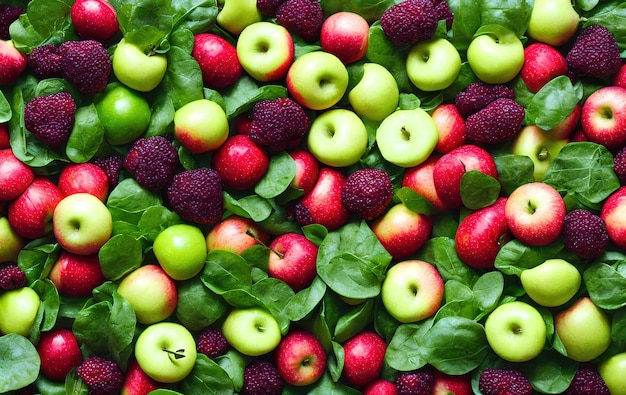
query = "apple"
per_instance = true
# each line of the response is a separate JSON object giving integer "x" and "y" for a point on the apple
{"x": 364, "y": 358}
{"x": 613, "y": 372}
{"x": 613, "y": 213}
{"x": 240, "y": 162}
{"x": 251, "y": 331}
{"x": 446, "y": 384}
{"x": 13, "y": 62}
{"x": 236, "y": 234}
{"x": 18, "y": 310}
{"x": 380, "y": 386}
{"x": 619, "y": 79}
{"x": 553, "y": 22}
{"x": 128, "y": 58}
{"x": 317, "y": 80}
{"x": 181, "y": 251}
{"x": 433, "y": 64}
{"x": 412, "y": 290}
{"x": 542, "y": 63}
{"x": 551, "y": 283}
{"x": 307, "y": 170}
{"x": 337, "y": 138}
{"x": 59, "y": 353}
{"x": 420, "y": 179}
{"x": 450, "y": 126}
{"x": 94, "y": 19}
{"x": 300, "y": 358}
{"x": 11, "y": 243}
{"x": 82, "y": 223}
{"x": 406, "y": 138}
{"x": 603, "y": 117}
{"x": 496, "y": 56}
{"x": 166, "y": 352}
{"x": 346, "y": 35}
{"x": 5, "y": 137}
{"x": 535, "y": 143}
{"x": 15, "y": 176}
{"x": 516, "y": 331}
{"x": 584, "y": 329}
{"x": 402, "y": 231}
{"x": 30, "y": 214}
{"x": 84, "y": 178}
{"x": 201, "y": 126}
{"x": 217, "y": 59}
{"x": 76, "y": 275}
{"x": 151, "y": 292}
{"x": 292, "y": 259}
{"x": 235, "y": 15}
{"x": 136, "y": 381}
{"x": 265, "y": 51}
{"x": 535, "y": 213}
{"x": 376, "y": 94}
{"x": 564, "y": 129}
{"x": 124, "y": 113}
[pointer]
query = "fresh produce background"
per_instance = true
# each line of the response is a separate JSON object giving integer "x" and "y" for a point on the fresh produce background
{"x": 302, "y": 196}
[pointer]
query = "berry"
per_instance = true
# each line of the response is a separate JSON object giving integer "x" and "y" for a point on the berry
{"x": 152, "y": 161}
{"x": 268, "y": 7}
{"x": 212, "y": 343}
{"x": 409, "y": 22}
{"x": 443, "y": 12}
{"x": 619, "y": 165}
{"x": 367, "y": 193}
{"x": 51, "y": 118}
{"x": 8, "y": 15}
{"x": 587, "y": 381}
{"x": 12, "y": 277}
{"x": 112, "y": 166}
{"x": 278, "y": 124}
{"x": 499, "y": 121}
{"x": 504, "y": 382}
{"x": 45, "y": 61}
{"x": 302, "y": 17}
{"x": 196, "y": 195}
{"x": 585, "y": 234}
{"x": 101, "y": 376}
{"x": 418, "y": 382}
{"x": 86, "y": 64}
{"x": 261, "y": 378}
{"x": 478, "y": 95}
{"x": 595, "y": 53}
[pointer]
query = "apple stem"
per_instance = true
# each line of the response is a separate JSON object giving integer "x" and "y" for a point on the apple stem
{"x": 543, "y": 154}
{"x": 405, "y": 133}
{"x": 255, "y": 237}
{"x": 178, "y": 354}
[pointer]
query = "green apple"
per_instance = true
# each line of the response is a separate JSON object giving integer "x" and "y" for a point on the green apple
{"x": 516, "y": 331}
{"x": 376, "y": 95}
{"x": 406, "y": 138}
{"x": 201, "y": 126}
{"x": 236, "y": 15}
{"x": 124, "y": 113}
{"x": 551, "y": 283}
{"x": 11, "y": 243}
{"x": 265, "y": 51}
{"x": 18, "y": 310}
{"x": 337, "y": 138}
{"x": 181, "y": 250}
{"x": 166, "y": 351}
{"x": 584, "y": 330}
{"x": 317, "y": 80}
{"x": 535, "y": 143}
{"x": 433, "y": 64}
{"x": 553, "y": 22}
{"x": 138, "y": 69}
{"x": 613, "y": 372}
{"x": 251, "y": 331}
{"x": 496, "y": 54}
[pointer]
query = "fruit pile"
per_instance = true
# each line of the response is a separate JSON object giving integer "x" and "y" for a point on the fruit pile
{"x": 312, "y": 196}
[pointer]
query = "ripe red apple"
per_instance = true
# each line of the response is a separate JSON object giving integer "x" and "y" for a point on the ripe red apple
{"x": 15, "y": 176}
{"x": 322, "y": 205}
{"x": 240, "y": 162}
{"x": 84, "y": 177}
{"x": 345, "y": 35}
{"x": 293, "y": 260}
{"x": 94, "y": 19}
{"x": 420, "y": 179}
{"x": 614, "y": 215}
{"x": 364, "y": 357}
{"x": 13, "y": 62}
{"x": 380, "y": 386}
{"x": 446, "y": 384}
{"x": 217, "y": 59}
{"x": 565, "y": 128}
{"x": 300, "y": 358}
{"x": 603, "y": 117}
{"x": 542, "y": 63}
{"x": 236, "y": 234}
{"x": 402, "y": 231}
{"x": 76, "y": 275}
{"x": 5, "y": 137}
{"x": 307, "y": 170}
{"x": 30, "y": 214}
{"x": 451, "y": 127}
{"x": 59, "y": 353}
{"x": 136, "y": 381}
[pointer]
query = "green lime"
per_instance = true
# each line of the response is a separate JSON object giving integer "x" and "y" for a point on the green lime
{"x": 124, "y": 113}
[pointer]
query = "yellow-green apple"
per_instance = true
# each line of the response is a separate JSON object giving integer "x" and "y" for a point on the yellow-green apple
{"x": 481, "y": 235}
{"x": 59, "y": 353}
{"x": 433, "y": 64}
{"x": 584, "y": 329}
{"x": 450, "y": 126}
{"x": 76, "y": 275}
{"x": 292, "y": 259}
{"x": 235, "y": 15}
{"x": 94, "y": 19}
{"x": 613, "y": 213}
{"x": 613, "y": 372}
{"x": 380, "y": 386}
{"x": 181, "y": 250}
{"x": 536, "y": 144}
{"x": 496, "y": 55}
{"x": 412, "y": 290}
{"x": 516, "y": 331}
{"x": 420, "y": 179}
{"x": 123, "y": 112}
{"x": 345, "y": 34}
{"x": 136, "y": 381}
{"x": 83, "y": 178}
{"x": 317, "y": 80}
{"x": 128, "y": 58}
{"x": 402, "y": 231}
{"x": 251, "y": 331}
{"x": 11, "y": 243}
{"x": 217, "y": 59}
{"x": 300, "y": 358}
{"x": 151, "y": 292}
{"x": 323, "y": 205}
{"x": 542, "y": 63}
{"x": 603, "y": 117}
{"x": 201, "y": 126}
{"x": 448, "y": 384}
{"x": 364, "y": 358}
{"x": 307, "y": 170}
{"x": 565, "y": 128}
{"x": 15, "y": 175}
{"x": 240, "y": 162}
{"x": 30, "y": 214}
{"x": 13, "y": 62}
{"x": 535, "y": 213}
{"x": 18, "y": 310}
{"x": 552, "y": 283}
{"x": 82, "y": 223}
{"x": 337, "y": 137}
{"x": 166, "y": 351}
{"x": 452, "y": 166}
{"x": 236, "y": 234}
{"x": 553, "y": 22}
{"x": 265, "y": 51}
{"x": 406, "y": 138}
{"x": 376, "y": 95}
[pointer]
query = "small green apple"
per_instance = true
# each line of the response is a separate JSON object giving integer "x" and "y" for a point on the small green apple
{"x": 337, "y": 138}
{"x": 613, "y": 372}
{"x": 137, "y": 69}
{"x": 376, "y": 95}
{"x": 124, "y": 114}
{"x": 236, "y": 15}
{"x": 18, "y": 310}
{"x": 535, "y": 143}
{"x": 265, "y": 51}
{"x": 433, "y": 64}
{"x": 181, "y": 250}
{"x": 553, "y": 22}
{"x": 551, "y": 283}
{"x": 496, "y": 54}
{"x": 252, "y": 331}
{"x": 201, "y": 126}
{"x": 11, "y": 243}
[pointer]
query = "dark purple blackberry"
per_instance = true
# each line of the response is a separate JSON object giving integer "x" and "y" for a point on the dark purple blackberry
{"x": 8, "y": 15}
{"x": 278, "y": 124}
{"x": 112, "y": 166}
{"x": 102, "y": 376}
{"x": 504, "y": 382}
{"x": 478, "y": 95}
{"x": 261, "y": 377}
{"x": 585, "y": 234}
{"x": 12, "y": 277}
{"x": 367, "y": 193}
{"x": 86, "y": 64}
{"x": 301, "y": 17}
{"x": 45, "y": 61}
{"x": 418, "y": 382}
{"x": 196, "y": 195}
{"x": 595, "y": 53}
{"x": 587, "y": 381}
{"x": 51, "y": 118}
{"x": 497, "y": 122}
{"x": 152, "y": 161}
{"x": 409, "y": 22}
{"x": 212, "y": 343}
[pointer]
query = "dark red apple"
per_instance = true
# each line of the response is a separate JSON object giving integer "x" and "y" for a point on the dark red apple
{"x": 217, "y": 59}
{"x": 240, "y": 162}
{"x": 293, "y": 260}
{"x": 15, "y": 176}
{"x": 59, "y": 353}
{"x": 364, "y": 357}
{"x": 84, "y": 177}
{"x": 76, "y": 275}
{"x": 30, "y": 214}
{"x": 94, "y": 19}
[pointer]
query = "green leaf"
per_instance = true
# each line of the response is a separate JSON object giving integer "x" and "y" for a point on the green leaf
{"x": 183, "y": 78}
{"x": 551, "y": 372}
{"x": 404, "y": 352}
{"x": 414, "y": 201}
{"x": 513, "y": 171}
{"x": 5, "y": 109}
{"x": 120, "y": 255}
{"x": 606, "y": 286}
{"x": 440, "y": 252}
{"x": 552, "y": 104}
{"x": 233, "y": 364}
{"x": 306, "y": 300}
{"x": 19, "y": 362}
{"x": 198, "y": 307}
{"x": 280, "y": 172}
{"x": 275, "y": 295}
{"x": 128, "y": 200}
{"x": 225, "y": 271}
{"x": 514, "y": 257}
{"x": 354, "y": 321}
{"x": 245, "y": 93}
{"x": 207, "y": 377}
{"x": 87, "y": 135}
{"x": 478, "y": 189}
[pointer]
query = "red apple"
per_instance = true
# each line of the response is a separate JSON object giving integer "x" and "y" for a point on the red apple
{"x": 542, "y": 63}
{"x": 293, "y": 260}
{"x": 451, "y": 127}
{"x": 5, "y": 137}
{"x": 345, "y": 35}
{"x": 13, "y": 62}
{"x": 240, "y": 162}
{"x": 84, "y": 177}
{"x": 307, "y": 170}
{"x": 614, "y": 215}
{"x": 59, "y": 353}
{"x": 94, "y": 19}
{"x": 15, "y": 176}
{"x": 136, "y": 381}
{"x": 420, "y": 179}
{"x": 565, "y": 128}
{"x": 322, "y": 205}
{"x": 619, "y": 79}
{"x": 603, "y": 117}
{"x": 217, "y": 59}
{"x": 236, "y": 234}
{"x": 76, "y": 275}
{"x": 30, "y": 214}
{"x": 300, "y": 358}
{"x": 364, "y": 357}
{"x": 380, "y": 386}
{"x": 402, "y": 231}
{"x": 446, "y": 384}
